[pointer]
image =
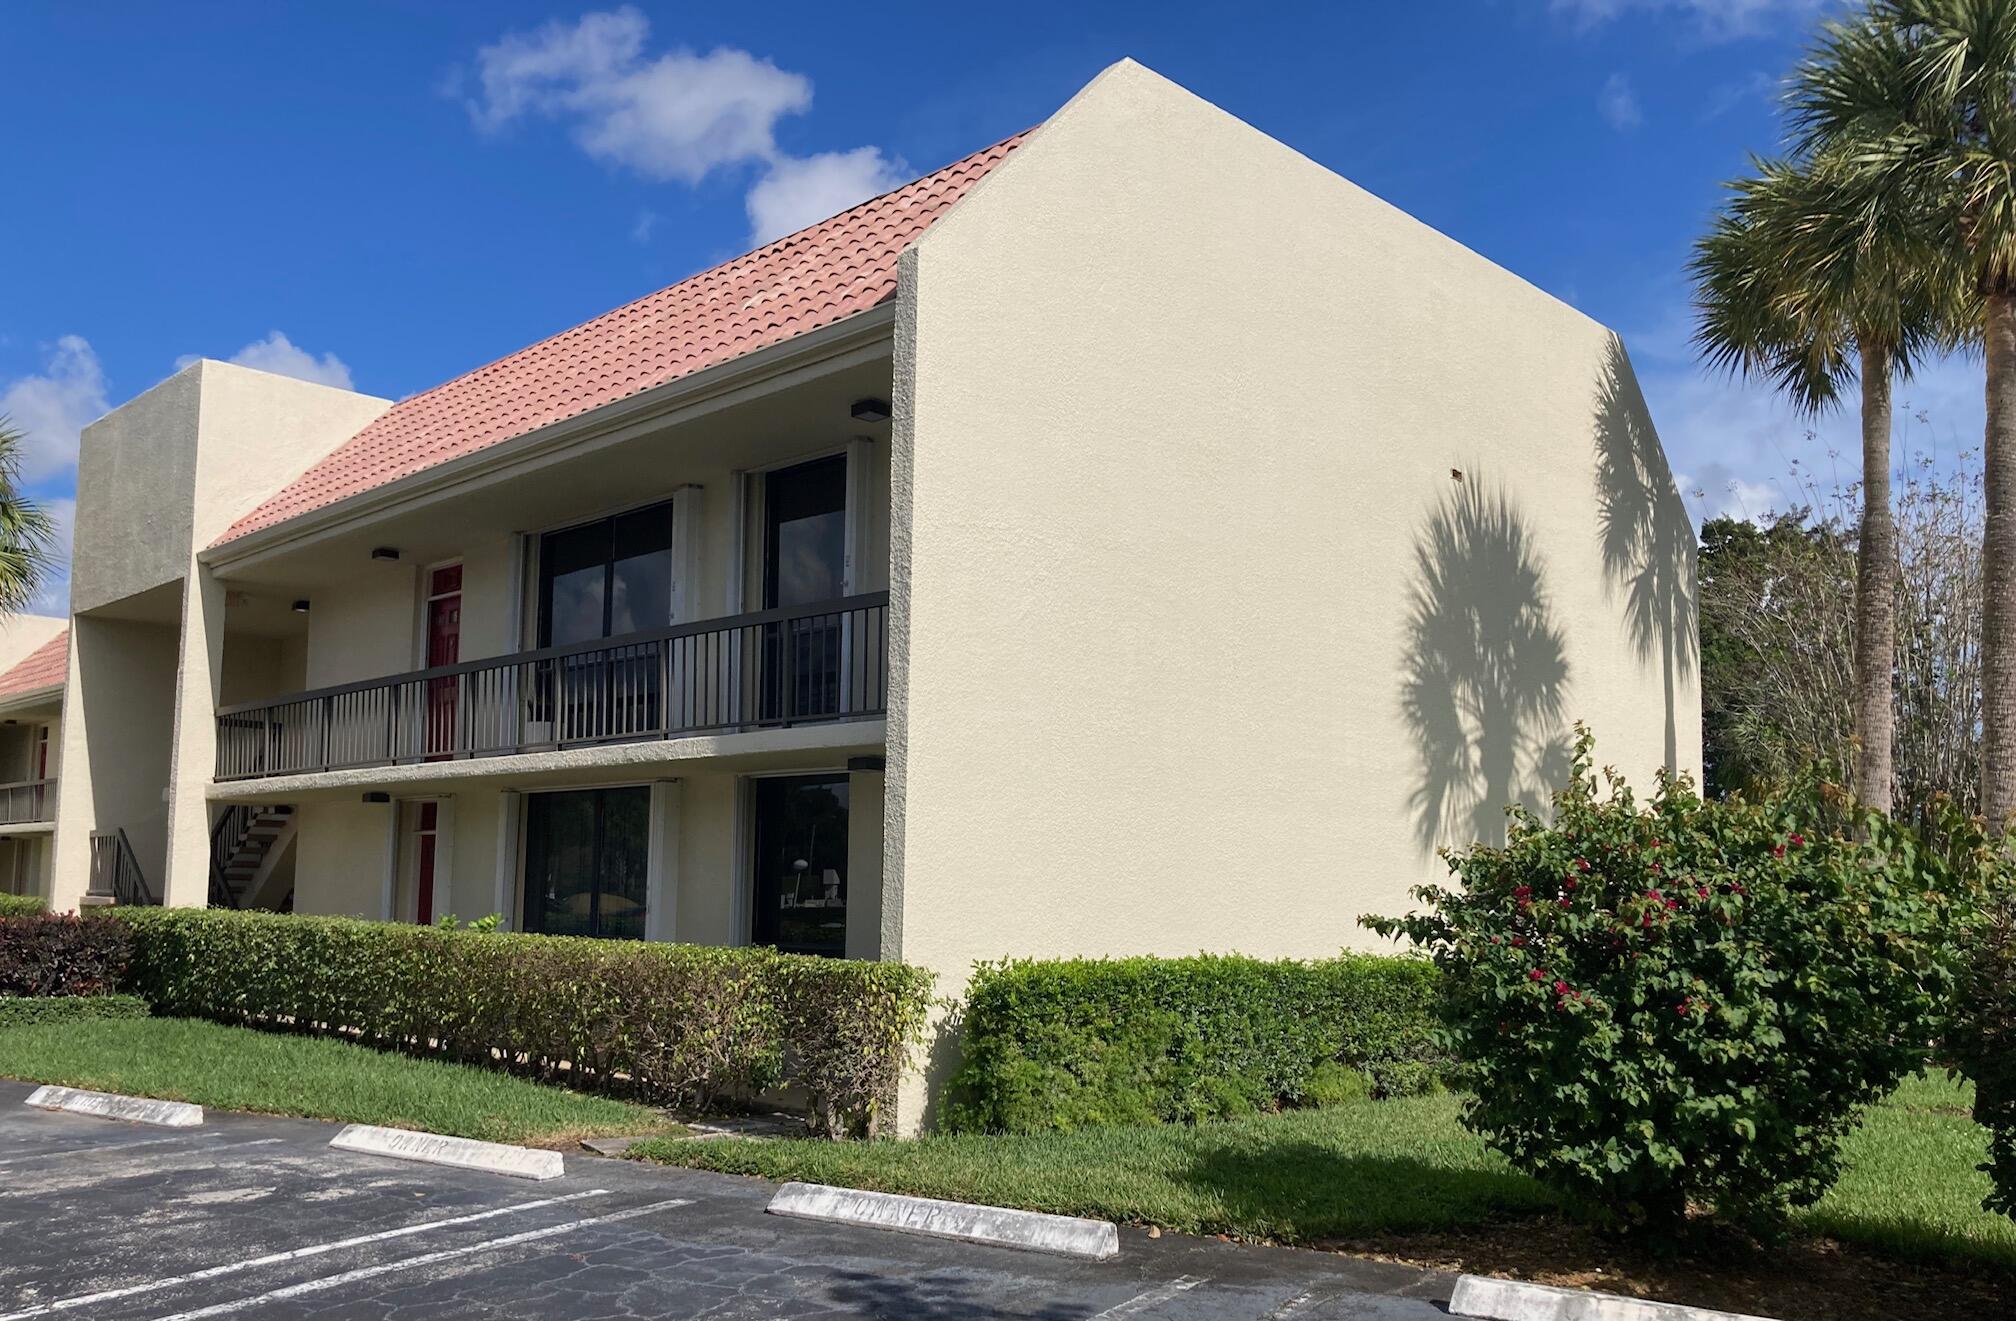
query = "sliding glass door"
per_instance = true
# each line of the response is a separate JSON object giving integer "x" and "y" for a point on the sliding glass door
{"x": 801, "y": 863}
{"x": 586, "y": 858}
{"x": 804, "y": 563}
{"x": 603, "y": 580}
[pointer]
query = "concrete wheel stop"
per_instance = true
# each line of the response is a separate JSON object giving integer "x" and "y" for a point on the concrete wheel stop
{"x": 109, "y": 1105}
{"x": 1513, "y": 1300}
{"x": 462, "y": 1153}
{"x": 1031, "y": 1231}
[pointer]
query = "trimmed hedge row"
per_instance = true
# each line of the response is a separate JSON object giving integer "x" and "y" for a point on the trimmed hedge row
{"x": 30, "y": 1010}
{"x": 52, "y": 954}
{"x": 21, "y": 905}
{"x": 1064, "y": 1044}
{"x": 682, "y": 1024}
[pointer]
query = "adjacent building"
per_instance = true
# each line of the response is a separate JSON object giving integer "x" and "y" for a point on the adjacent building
{"x": 32, "y": 667}
{"x": 1131, "y": 537}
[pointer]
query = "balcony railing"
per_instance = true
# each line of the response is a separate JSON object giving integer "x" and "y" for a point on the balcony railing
{"x": 27, "y": 802}
{"x": 794, "y": 666}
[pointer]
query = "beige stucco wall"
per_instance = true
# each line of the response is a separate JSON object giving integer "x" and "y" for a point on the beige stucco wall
{"x": 1200, "y": 641}
{"x": 118, "y": 725}
{"x": 21, "y": 634}
{"x": 365, "y": 627}
{"x": 158, "y": 479}
{"x": 340, "y": 857}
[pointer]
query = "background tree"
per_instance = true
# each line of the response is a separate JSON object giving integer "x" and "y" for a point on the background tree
{"x": 1796, "y": 285}
{"x": 1918, "y": 99}
{"x": 1777, "y": 616}
{"x": 27, "y": 536}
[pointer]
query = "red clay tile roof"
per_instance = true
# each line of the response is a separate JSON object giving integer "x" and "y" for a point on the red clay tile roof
{"x": 799, "y": 283}
{"x": 46, "y": 666}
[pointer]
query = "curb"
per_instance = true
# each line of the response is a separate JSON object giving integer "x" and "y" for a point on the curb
{"x": 1514, "y": 1300}
{"x": 109, "y": 1105}
{"x": 1062, "y": 1236}
{"x": 462, "y": 1153}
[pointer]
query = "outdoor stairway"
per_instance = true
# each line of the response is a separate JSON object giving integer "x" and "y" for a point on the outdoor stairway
{"x": 244, "y": 843}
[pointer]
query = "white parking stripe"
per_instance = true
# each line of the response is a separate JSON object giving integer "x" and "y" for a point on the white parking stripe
{"x": 1133, "y": 1306}
{"x": 275, "y": 1258}
{"x": 425, "y": 1259}
{"x": 187, "y": 1139}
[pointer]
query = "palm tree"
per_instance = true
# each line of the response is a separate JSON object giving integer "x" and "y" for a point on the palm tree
{"x": 1918, "y": 99}
{"x": 1796, "y": 286}
{"x": 27, "y": 534}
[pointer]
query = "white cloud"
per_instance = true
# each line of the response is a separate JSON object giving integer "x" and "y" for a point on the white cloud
{"x": 674, "y": 116}
{"x": 281, "y": 356}
{"x": 1720, "y": 20}
{"x": 647, "y": 220}
{"x": 801, "y": 191}
{"x": 677, "y": 116}
{"x": 1619, "y": 103}
{"x": 50, "y": 408}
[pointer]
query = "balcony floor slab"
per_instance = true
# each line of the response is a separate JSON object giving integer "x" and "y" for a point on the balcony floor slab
{"x": 747, "y": 751}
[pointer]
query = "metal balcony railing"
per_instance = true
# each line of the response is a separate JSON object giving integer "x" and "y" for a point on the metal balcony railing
{"x": 793, "y": 666}
{"x": 27, "y": 801}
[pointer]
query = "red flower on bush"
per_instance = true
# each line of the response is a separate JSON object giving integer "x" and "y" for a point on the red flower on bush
{"x": 1798, "y": 840}
{"x": 1538, "y": 974}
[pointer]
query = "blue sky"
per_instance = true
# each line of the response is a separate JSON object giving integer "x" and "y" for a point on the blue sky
{"x": 384, "y": 195}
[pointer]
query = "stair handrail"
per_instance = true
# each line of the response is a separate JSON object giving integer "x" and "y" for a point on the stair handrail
{"x": 114, "y": 866}
{"x": 225, "y": 837}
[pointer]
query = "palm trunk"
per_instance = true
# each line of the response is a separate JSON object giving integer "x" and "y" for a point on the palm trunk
{"x": 1998, "y": 567}
{"x": 1875, "y": 588}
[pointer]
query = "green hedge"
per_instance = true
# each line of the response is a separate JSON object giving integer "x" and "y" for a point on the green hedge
{"x": 21, "y": 905}
{"x": 58, "y": 954}
{"x": 1064, "y": 1044}
{"x": 29, "y": 1010}
{"x": 683, "y": 1024}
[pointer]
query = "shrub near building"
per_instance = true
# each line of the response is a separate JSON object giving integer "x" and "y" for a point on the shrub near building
{"x": 1689, "y": 1001}
{"x": 688, "y": 1024}
{"x": 1076, "y": 1043}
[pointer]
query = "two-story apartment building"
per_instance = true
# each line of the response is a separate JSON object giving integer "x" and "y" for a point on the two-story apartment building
{"x": 1132, "y": 537}
{"x": 32, "y": 668}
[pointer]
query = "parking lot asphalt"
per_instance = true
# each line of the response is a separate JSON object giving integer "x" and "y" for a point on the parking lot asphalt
{"x": 255, "y": 1217}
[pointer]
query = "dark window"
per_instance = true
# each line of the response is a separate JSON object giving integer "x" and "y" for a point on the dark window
{"x": 801, "y": 864}
{"x": 805, "y": 532}
{"x": 586, "y": 854}
{"x": 606, "y": 578}
{"x": 804, "y": 563}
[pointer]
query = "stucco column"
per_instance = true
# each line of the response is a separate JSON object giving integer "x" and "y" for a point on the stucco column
{"x": 661, "y": 872}
{"x": 192, "y": 761}
{"x": 76, "y": 806}
{"x": 864, "y": 864}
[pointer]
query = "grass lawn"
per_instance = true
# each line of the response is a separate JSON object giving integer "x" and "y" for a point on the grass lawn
{"x": 236, "y": 1068}
{"x": 1292, "y": 1178}
{"x": 1901, "y": 1235}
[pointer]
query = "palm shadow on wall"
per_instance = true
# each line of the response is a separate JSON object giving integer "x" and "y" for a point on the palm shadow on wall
{"x": 1647, "y": 537}
{"x": 1486, "y": 670}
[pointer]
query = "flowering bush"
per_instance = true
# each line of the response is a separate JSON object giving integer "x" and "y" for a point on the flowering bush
{"x": 1688, "y": 1002}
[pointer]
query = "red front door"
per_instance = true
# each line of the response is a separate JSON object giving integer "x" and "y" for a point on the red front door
{"x": 423, "y": 870}
{"x": 444, "y": 647}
